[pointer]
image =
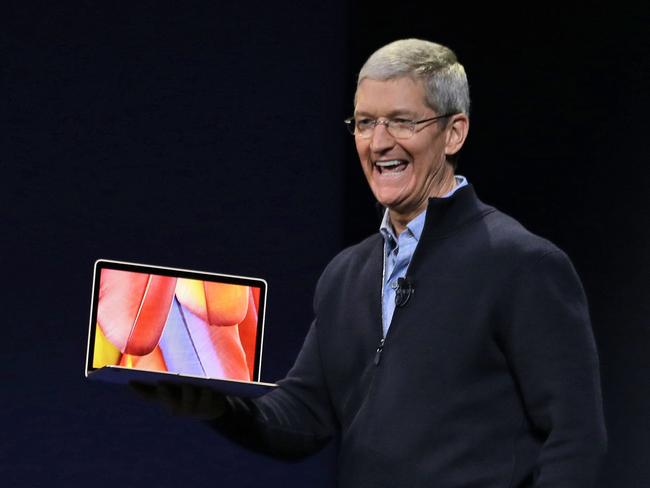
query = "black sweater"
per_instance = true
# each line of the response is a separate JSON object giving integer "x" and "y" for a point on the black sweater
{"x": 488, "y": 376}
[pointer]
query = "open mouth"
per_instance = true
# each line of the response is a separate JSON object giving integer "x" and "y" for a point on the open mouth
{"x": 391, "y": 166}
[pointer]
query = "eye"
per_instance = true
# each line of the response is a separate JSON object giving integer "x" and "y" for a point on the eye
{"x": 365, "y": 123}
{"x": 400, "y": 122}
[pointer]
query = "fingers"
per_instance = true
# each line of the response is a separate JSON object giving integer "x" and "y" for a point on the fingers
{"x": 211, "y": 404}
{"x": 171, "y": 397}
{"x": 188, "y": 400}
{"x": 201, "y": 403}
{"x": 184, "y": 399}
{"x": 144, "y": 390}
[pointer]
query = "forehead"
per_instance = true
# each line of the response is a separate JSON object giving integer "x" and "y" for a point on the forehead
{"x": 403, "y": 94}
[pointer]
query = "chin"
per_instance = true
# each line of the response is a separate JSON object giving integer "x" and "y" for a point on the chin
{"x": 387, "y": 199}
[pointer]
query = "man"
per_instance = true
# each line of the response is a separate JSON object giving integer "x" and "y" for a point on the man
{"x": 451, "y": 349}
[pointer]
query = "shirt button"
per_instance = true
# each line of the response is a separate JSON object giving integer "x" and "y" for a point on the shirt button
{"x": 394, "y": 285}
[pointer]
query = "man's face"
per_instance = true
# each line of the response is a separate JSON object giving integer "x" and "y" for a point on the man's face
{"x": 404, "y": 188}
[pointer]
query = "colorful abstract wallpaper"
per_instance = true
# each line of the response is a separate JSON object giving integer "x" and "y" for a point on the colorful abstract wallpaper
{"x": 165, "y": 323}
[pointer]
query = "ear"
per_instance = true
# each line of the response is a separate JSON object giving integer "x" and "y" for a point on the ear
{"x": 457, "y": 130}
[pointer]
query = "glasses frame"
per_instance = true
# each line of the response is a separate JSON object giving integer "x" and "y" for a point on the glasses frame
{"x": 352, "y": 126}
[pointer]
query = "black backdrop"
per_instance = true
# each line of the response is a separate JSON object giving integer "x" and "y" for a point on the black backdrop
{"x": 208, "y": 135}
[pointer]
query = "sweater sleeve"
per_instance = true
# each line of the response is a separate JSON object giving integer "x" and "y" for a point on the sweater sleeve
{"x": 553, "y": 354}
{"x": 293, "y": 420}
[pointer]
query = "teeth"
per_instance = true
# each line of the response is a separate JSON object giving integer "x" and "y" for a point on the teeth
{"x": 387, "y": 164}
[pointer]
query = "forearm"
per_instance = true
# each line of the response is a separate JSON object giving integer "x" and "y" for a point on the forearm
{"x": 272, "y": 425}
{"x": 293, "y": 420}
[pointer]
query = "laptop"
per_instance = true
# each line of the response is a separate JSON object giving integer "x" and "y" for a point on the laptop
{"x": 154, "y": 324}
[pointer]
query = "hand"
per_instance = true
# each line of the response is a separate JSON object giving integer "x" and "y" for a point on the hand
{"x": 183, "y": 399}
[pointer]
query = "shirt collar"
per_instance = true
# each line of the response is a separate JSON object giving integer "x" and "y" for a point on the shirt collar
{"x": 415, "y": 226}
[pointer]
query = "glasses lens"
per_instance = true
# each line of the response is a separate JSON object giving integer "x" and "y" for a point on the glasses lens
{"x": 400, "y": 129}
{"x": 365, "y": 127}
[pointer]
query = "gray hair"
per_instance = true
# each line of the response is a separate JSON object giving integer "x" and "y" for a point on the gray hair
{"x": 444, "y": 78}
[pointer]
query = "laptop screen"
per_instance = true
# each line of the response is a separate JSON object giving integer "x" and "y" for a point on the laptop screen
{"x": 176, "y": 321}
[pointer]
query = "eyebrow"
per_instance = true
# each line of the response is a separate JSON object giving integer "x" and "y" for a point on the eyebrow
{"x": 391, "y": 114}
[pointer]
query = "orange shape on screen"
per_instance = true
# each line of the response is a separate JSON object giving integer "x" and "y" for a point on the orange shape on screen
{"x": 232, "y": 357}
{"x": 192, "y": 295}
{"x": 227, "y": 304}
{"x": 153, "y": 361}
{"x": 248, "y": 330}
{"x": 220, "y": 304}
{"x": 133, "y": 309}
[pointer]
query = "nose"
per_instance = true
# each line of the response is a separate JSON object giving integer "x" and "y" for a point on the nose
{"x": 381, "y": 139}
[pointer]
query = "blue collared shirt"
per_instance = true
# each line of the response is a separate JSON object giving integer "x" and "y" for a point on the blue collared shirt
{"x": 398, "y": 252}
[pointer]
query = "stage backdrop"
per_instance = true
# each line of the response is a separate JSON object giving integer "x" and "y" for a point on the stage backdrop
{"x": 209, "y": 135}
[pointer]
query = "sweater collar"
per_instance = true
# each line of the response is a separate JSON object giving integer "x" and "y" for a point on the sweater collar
{"x": 447, "y": 215}
{"x": 415, "y": 226}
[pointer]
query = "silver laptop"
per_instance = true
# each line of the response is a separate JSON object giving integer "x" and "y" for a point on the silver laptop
{"x": 157, "y": 324}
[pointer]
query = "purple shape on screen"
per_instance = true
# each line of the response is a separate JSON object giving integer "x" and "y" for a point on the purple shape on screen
{"x": 186, "y": 344}
{"x": 177, "y": 345}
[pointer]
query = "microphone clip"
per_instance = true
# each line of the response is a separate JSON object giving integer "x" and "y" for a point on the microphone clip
{"x": 403, "y": 292}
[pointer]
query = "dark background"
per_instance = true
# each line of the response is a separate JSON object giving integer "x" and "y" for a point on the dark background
{"x": 209, "y": 135}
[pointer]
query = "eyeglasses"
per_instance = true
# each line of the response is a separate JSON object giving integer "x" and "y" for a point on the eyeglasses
{"x": 398, "y": 128}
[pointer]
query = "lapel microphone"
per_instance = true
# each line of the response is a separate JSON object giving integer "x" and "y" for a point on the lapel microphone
{"x": 403, "y": 292}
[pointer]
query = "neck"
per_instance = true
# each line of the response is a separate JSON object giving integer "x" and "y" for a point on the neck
{"x": 446, "y": 183}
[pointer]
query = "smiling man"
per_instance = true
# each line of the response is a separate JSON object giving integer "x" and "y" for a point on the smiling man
{"x": 453, "y": 348}
{"x": 404, "y": 155}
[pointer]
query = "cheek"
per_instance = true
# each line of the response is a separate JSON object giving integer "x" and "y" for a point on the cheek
{"x": 429, "y": 154}
{"x": 363, "y": 149}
